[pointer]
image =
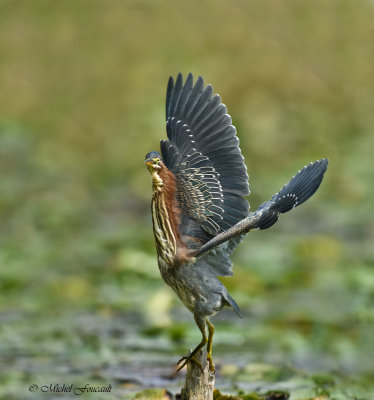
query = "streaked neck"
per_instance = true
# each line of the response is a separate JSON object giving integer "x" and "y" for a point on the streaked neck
{"x": 157, "y": 181}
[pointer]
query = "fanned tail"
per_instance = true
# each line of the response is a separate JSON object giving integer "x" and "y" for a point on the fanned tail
{"x": 299, "y": 189}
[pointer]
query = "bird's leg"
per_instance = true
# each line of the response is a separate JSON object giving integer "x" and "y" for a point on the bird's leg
{"x": 200, "y": 322}
{"x": 210, "y": 343}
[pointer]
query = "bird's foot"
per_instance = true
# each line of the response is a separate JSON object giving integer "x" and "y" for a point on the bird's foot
{"x": 191, "y": 358}
{"x": 186, "y": 359}
{"x": 211, "y": 365}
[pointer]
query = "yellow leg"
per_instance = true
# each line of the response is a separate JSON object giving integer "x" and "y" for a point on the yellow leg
{"x": 210, "y": 343}
{"x": 201, "y": 323}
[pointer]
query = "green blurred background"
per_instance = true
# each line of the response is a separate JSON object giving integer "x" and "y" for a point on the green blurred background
{"x": 82, "y": 93}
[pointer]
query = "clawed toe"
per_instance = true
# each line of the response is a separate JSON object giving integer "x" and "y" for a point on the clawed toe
{"x": 182, "y": 359}
{"x": 187, "y": 359}
{"x": 211, "y": 365}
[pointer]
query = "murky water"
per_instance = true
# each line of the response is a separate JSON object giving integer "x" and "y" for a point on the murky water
{"x": 119, "y": 350}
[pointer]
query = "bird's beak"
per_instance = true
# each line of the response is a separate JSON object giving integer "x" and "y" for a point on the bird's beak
{"x": 149, "y": 165}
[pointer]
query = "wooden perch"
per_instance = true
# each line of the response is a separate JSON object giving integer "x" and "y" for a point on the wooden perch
{"x": 199, "y": 384}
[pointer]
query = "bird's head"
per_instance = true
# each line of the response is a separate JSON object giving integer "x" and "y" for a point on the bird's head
{"x": 153, "y": 161}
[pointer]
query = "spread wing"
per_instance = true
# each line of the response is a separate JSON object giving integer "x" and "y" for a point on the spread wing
{"x": 203, "y": 153}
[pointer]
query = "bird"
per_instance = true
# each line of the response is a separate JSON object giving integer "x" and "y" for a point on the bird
{"x": 199, "y": 208}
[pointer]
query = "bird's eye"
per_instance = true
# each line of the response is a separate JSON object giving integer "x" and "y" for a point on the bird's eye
{"x": 156, "y": 160}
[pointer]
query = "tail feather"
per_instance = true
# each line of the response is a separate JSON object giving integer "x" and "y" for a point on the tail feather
{"x": 232, "y": 303}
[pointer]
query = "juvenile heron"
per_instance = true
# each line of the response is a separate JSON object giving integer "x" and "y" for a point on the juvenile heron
{"x": 199, "y": 211}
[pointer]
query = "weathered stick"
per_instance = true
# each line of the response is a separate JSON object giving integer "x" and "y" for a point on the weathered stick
{"x": 199, "y": 384}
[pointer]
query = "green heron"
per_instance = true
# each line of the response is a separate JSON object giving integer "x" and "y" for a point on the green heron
{"x": 199, "y": 211}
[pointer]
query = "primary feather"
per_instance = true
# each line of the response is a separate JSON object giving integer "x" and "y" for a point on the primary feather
{"x": 203, "y": 153}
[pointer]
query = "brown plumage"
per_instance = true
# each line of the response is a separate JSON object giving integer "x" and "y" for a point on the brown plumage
{"x": 166, "y": 218}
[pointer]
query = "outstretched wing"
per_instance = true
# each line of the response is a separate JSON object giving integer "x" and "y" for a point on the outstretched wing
{"x": 203, "y": 153}
{"x": 298, "y": 190}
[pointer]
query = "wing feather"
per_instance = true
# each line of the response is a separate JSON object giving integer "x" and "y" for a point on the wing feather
{"x": 203, "y": 153}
